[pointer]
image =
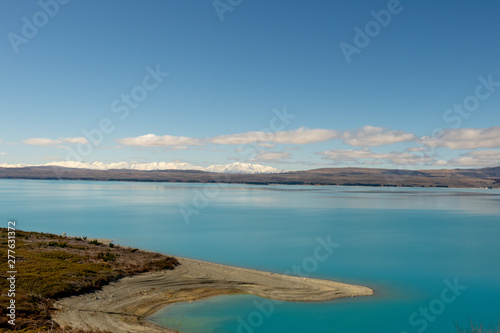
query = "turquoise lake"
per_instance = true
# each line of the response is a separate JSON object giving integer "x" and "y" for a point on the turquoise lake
{"x": 431, "y": 255}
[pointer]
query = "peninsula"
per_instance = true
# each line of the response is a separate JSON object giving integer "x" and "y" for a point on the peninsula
{"x": 76, "y": 284}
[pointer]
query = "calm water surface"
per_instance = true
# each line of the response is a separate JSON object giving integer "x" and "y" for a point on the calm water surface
{"x": 409, "y": 245}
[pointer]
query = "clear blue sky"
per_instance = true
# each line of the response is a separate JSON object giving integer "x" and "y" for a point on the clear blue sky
{"x": 226, "y": 76}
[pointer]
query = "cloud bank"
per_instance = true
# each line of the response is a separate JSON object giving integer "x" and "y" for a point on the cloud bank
{"x": 367, "y": 156}
{"x": 366, "y": 136}
{"x": 482, "y": 158}
{"x": 263, "y": 145}
{"x": 369, "y": 136}
{"x": 151, "y": 140}
{"x": 465, "y": 138}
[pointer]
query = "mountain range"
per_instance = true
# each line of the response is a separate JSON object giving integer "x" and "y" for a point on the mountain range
{"x": 234, "y": 168}
{"x": 242, "y": 173}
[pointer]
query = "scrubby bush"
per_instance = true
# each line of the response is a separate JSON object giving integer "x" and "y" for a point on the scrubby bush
{"x": 106, "y": 256}
{"x": 58, "y": 244}
{"x": 167, "y": 263}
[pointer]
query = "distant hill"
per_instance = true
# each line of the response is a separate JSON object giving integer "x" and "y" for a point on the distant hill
{"x": 459, "y": 178}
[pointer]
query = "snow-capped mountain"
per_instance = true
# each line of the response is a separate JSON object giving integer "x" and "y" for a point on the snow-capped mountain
{"x": 239, "y": 167}
{"x": 126, "y": 166}
{"x": 235, "y": 168}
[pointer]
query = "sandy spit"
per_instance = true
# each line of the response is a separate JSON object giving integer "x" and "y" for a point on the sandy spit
{"x": 124, "y": 305}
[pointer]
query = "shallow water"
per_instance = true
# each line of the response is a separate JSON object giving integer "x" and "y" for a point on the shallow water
{"x": 408, "y": 245}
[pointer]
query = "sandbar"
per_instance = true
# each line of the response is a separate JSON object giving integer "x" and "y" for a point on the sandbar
{"x": 124, "y": 305}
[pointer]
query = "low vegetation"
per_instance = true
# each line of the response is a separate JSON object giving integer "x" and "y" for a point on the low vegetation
{"x": 51, "y": 266}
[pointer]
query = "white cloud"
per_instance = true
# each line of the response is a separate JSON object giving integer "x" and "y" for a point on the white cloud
{"x": 2, "y": 153}
{"x": 151, "y": 140}
{"x": 465, "y": 138}
{"x": 264, "y": 139}
{"x": 399, "y": 158}
{"x": 369, "y": 136}
{"x": 241, "y": 138}
{"x": 416, "y": 149}
{"x": 298, "y": 136}
{"x": 367, "y": 156}
{"x": 482, "y": 158}
{"x": 52, "y": 142}
{"x": 486, "y": 154}
{"x": 49, "y": 158}
{"x": 41, "y": 142}
{"x": 271, "y": 156}
{"x": 75, "y": 140}
{"x": 265, "y": 145}
{"x": 304, "y": 135}
{"x": 352, "y": 154}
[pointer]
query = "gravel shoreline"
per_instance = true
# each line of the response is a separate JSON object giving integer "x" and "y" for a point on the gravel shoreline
{"x": 125, "y": 305}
